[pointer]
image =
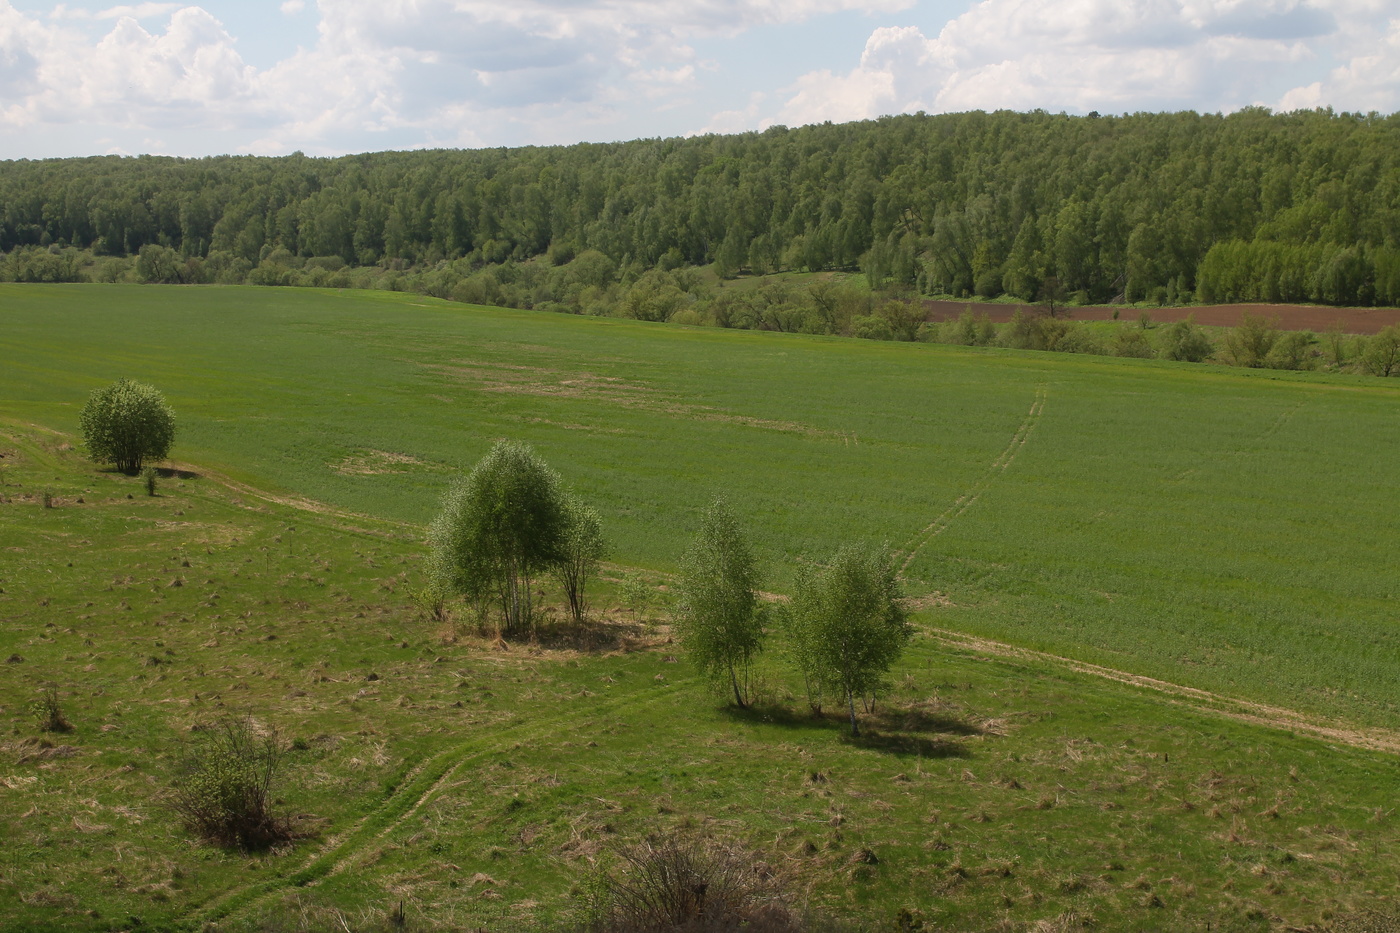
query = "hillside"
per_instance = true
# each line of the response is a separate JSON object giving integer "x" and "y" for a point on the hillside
{"x": 1255, "y": 206}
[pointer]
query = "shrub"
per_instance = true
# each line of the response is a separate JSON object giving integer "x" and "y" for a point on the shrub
{"x": 1130, "y": 342}
{"x": 1293, "y": 350}
{"x": 224, "y": 790}
{"x": 126, "y": 424}
{"x": 1249, "y": 343}
{"x": 635, "y": 593}
{"x": 1382, "y": 354}
{"x": 49, "y": 712}
{"x": 148, "y": 479}
{"x": 1185, "y": 342}
{"x": 670, "y": 884}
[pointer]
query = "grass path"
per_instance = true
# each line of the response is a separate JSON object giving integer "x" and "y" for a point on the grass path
{"x": 419, "y": 786}
{"x": 1199, "y": 701}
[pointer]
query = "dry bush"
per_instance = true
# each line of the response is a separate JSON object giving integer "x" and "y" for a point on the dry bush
{"x": 670, "y": 884}
{"x": 224, "y": 792}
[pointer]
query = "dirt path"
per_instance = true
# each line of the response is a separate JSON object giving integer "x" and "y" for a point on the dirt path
{"x": 1290, "y": 317}
{"x": 1261, "y": 714}
{"x": 969, "y": 498}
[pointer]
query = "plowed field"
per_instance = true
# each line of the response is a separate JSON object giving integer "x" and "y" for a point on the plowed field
{"x": 1290, "y": 317}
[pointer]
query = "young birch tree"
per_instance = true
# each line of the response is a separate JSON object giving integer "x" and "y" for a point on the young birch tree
{"x": 584, "y": 547}
{"x": 718, "y": 618}
{"x": 499, "y": 528}
{"x": 848, "y": 626}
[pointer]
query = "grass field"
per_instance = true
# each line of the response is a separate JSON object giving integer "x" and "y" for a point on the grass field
{"x": 1224, "y": 529}
{"x": 1217, "y": 529}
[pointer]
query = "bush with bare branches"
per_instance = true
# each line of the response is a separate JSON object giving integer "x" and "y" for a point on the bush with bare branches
{"x": 671, "y": 884}
{"x": 224, "y": 792}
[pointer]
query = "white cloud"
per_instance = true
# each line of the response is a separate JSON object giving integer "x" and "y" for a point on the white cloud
{"x": 1111, "y": 55}
{"x": 482, "y": 72}
{"x": 1370, "y": 80}
{"x": 137, "y": 11}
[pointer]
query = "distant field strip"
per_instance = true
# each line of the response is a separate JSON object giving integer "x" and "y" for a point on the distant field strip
{"x": 964, "y": 502}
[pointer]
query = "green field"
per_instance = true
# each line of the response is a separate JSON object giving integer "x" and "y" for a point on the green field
{"x": 1219, "y": 529}
{"x": 1228, "y": 530}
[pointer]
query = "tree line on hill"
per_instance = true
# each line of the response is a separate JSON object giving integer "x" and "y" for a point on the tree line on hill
{"x": 1302, "y": 206}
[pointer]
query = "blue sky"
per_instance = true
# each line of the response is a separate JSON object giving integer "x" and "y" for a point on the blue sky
{"x": 335, "y": 76}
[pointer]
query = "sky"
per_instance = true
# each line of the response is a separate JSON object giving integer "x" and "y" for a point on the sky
{"x": 329, "y": 77}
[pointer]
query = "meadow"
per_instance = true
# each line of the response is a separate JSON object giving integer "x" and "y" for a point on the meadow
{"x": 1222, "y": 530}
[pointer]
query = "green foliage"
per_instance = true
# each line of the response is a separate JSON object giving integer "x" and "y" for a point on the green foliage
{"x": 500, "y": 527}
{"x": 148, "y": 480}
{"x": 228, "y": 775}
{"x": 717, "y": 614}
{"x": 584, "y": 547}
{"x": 848, "y": 626}
{"x": 126, "y": 424}
{"x": 637, "y": 593}
{"x": 1185, "y": 342}
{"x": 38, "y": 264}
{"x": 1250, "y": 206}
{"x": 1294, "y": 350}
{"x": 1382, "y": 354}
{"x": 1130, "y": 342}
{"x": 1249, "y": 344}
{"x": 48, "y": 712}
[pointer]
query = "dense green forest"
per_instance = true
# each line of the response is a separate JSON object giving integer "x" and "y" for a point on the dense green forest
{"x": 1302, "y": 206}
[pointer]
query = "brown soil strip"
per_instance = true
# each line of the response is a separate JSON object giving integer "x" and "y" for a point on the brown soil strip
{"x": 1260, "y": 714}
{"x": 1290, "y": 317}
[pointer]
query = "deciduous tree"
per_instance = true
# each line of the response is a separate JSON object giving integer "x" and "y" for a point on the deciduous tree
{"x": 126, "y": 424}
{"x": 718, "y": 618}
{"x": 500, "y": 527}
{"x": 848, "y": 625}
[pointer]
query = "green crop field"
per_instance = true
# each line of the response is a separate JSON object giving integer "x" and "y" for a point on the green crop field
{"x": 1222, "y": 530}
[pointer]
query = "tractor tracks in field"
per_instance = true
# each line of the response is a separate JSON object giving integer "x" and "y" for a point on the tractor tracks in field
{"x": 1194, "y": 698}
{"x": 969, "y": 498}
{"x": 420, "y": 785}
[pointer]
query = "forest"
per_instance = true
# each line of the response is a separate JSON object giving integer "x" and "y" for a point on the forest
{"x": 1253, "y": 206}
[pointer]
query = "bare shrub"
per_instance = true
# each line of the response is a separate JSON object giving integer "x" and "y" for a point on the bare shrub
{"x": 224, "y": 792}
{"x": 673, "y": 884}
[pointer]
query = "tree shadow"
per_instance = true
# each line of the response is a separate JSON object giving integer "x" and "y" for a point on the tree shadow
{"x": 918, "y": 719}
{"x": 592, "y": 636}
{"x": 774, "y": 714}
{"x": 907, "y": 746}
{"x": 892, "y": 731}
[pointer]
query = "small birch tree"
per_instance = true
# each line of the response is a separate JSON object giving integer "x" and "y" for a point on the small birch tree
{"x": 584, "y": 547}
{"x": 717, "y": 616}
{"x": 499, "y": 528}
{"x": 848, "y": 626}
